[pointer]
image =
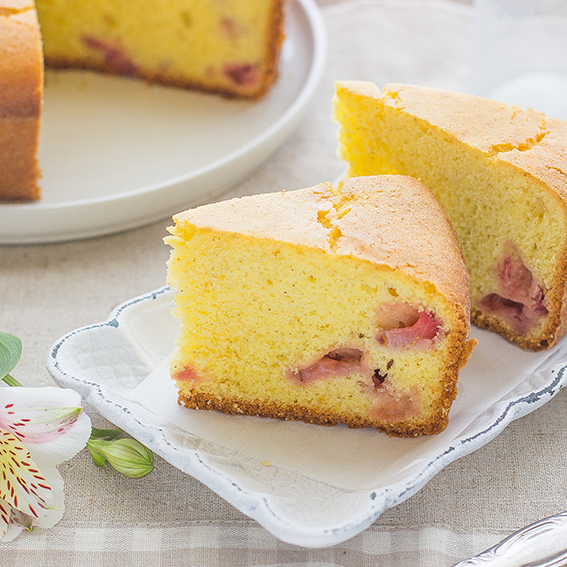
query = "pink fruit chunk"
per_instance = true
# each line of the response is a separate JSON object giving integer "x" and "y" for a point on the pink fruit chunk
{"x": 392, "y": 405}
{"x": 389, "y": 404}
{"x": 115, "y": 58}
{"x": 402, "y": 325}
{"x": 242, "y": 74}
{"x": 519, "y": 298}
{"x": 339, "y": 362}
{"x": 186, "y": 374}
{"x": 229, "y": 28}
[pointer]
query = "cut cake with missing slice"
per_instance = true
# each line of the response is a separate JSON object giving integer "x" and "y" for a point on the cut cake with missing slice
{"x": 329, "y": 305}
{"x": 230, "y": 48}
{"x": 500, "y": 172}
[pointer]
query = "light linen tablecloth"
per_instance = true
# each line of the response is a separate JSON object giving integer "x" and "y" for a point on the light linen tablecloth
{"x": 170, "y": 519}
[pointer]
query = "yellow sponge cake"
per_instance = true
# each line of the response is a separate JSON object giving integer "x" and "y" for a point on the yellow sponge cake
{"x": 329, "y": 305}
{"x": 500, "y": 172}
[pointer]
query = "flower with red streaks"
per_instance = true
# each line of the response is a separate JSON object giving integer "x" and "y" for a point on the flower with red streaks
{"x": 39, "y": 428}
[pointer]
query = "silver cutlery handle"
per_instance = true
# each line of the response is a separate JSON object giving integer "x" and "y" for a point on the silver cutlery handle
{"x": 542, "y": 544}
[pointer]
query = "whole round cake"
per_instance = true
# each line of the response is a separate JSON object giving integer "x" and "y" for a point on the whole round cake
{"x": 346, "y": 304}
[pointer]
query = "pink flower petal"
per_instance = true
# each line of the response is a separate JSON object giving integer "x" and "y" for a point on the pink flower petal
{"x": 49, "y": 421}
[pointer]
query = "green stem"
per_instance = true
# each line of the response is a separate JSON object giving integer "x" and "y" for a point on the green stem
{"x": 11, "y": 381}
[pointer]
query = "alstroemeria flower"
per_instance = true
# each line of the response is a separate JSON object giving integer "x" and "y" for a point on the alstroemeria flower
{"x": 39, "y": 428}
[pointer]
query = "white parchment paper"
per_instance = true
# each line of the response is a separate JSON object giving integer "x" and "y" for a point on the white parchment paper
{"x": 347, "y": 458}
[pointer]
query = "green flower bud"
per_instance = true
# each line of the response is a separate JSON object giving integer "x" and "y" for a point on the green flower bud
{"x": 128, "y": 456}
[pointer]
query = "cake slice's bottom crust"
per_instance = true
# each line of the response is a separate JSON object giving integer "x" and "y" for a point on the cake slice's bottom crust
{"x": 317, "y": 416}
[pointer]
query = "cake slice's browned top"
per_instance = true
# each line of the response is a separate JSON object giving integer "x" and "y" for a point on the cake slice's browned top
{"x": 486, "y": 124}
{"x": 391, "y": 220}
{"x": 524, "y": 138}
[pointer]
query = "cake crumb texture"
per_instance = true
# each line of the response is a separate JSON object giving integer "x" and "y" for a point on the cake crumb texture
{"x": 230, "y": 47}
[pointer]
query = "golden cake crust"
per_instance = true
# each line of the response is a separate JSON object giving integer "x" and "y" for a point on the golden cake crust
{"x": 289, "y": 219}
{"x": 525, "y": 139}
{"x": 437, "y": 259}
{"x": 21, "y": 89}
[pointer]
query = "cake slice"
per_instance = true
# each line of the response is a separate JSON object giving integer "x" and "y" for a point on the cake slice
{"x": 21, "y": 90}
{"x": 329, "y": 305}
{"x": 500, "y": 172}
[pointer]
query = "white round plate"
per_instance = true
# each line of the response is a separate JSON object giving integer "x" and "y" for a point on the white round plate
{"x": 117, "y": 154}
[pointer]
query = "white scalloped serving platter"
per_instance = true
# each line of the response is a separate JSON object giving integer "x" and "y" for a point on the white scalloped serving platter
{"x": 308, "y": 485}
